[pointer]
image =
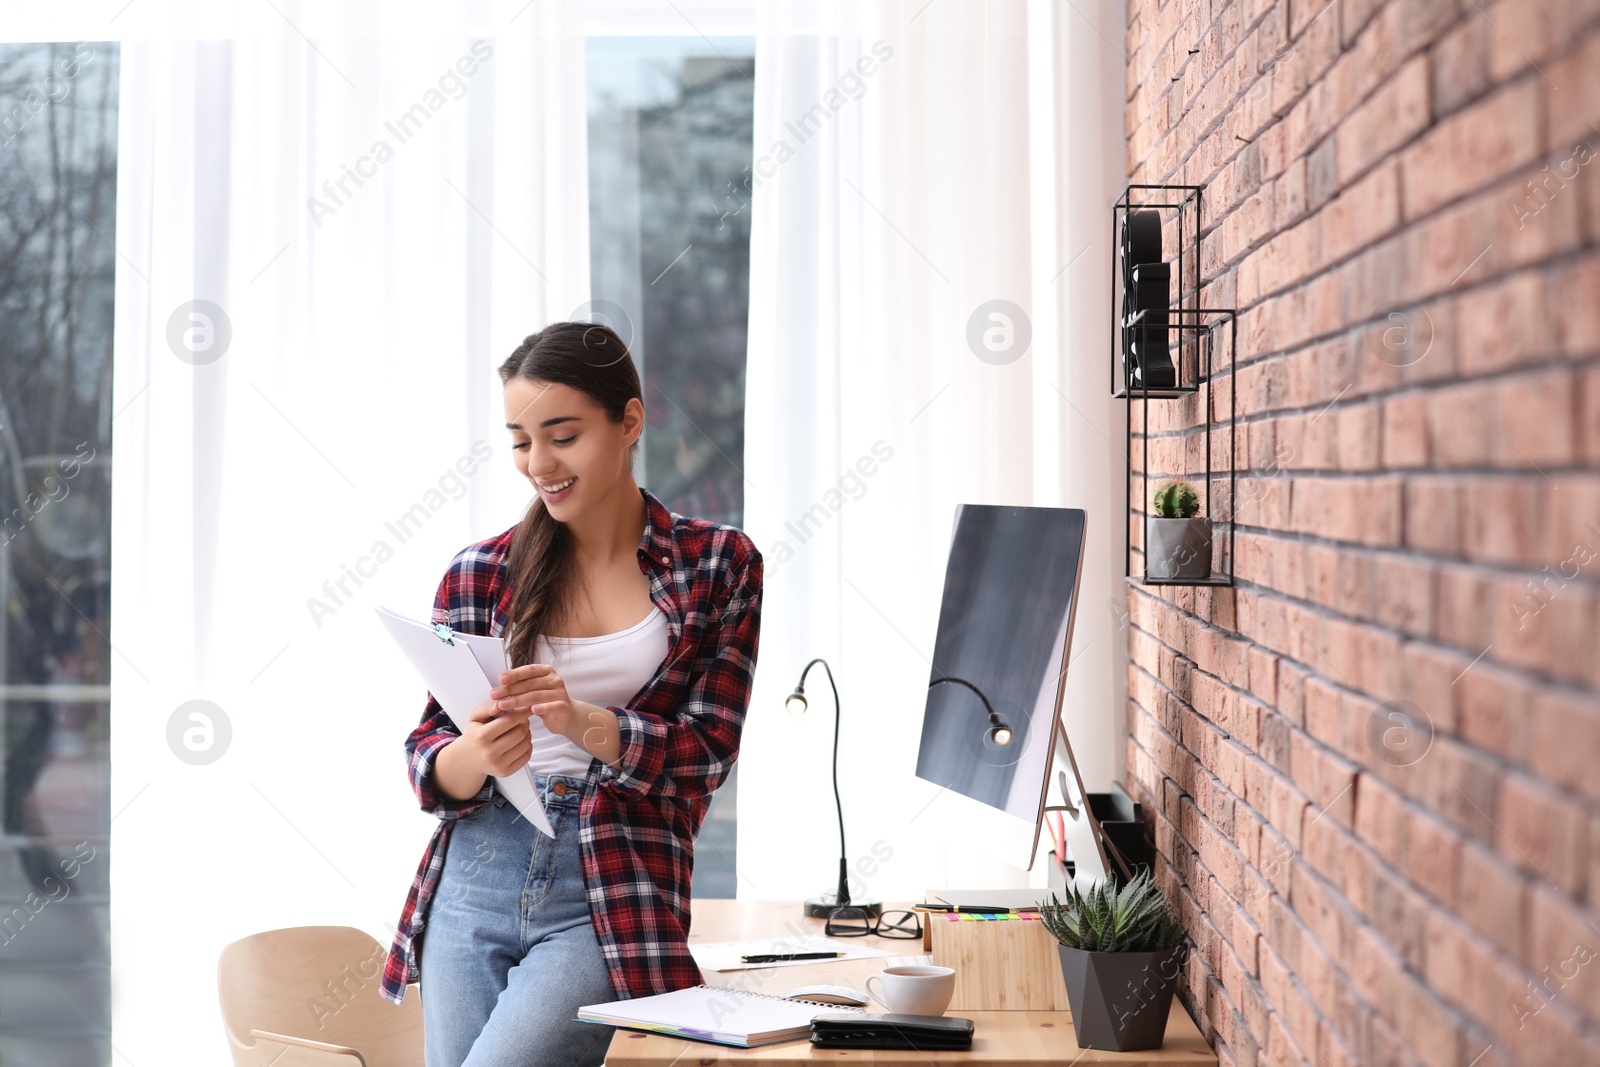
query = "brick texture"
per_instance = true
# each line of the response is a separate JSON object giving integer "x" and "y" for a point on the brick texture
{"x": 1372, "y": 767}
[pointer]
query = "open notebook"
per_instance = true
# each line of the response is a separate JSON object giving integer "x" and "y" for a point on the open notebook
{"x": 719, "y": 1014}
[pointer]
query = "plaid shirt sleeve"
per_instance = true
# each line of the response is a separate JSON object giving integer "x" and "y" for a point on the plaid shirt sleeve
{"x": 435, "y": 731}
{"x": 689, "y": 754}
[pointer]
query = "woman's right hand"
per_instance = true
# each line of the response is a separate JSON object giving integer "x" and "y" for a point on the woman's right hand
{"x": 496, "y": 742}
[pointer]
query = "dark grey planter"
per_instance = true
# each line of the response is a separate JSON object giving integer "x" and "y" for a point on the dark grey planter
{"x": 1120, "y": 1000}
{"x": 1177, "y": 549}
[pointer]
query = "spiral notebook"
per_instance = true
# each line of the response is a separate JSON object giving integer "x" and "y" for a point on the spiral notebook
{"x": 719, "y": 1014}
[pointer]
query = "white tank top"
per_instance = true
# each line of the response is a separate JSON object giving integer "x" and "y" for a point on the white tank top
{"x": 606, "y": 670}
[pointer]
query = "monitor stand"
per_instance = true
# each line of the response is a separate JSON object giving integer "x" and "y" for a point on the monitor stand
{"x": 1092, "y": 851}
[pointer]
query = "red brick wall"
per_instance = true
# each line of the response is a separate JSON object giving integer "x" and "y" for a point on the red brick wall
{"x": 1420, "y": 522}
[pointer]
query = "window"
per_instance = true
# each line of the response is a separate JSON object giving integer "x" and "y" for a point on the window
{"x": 670, "y": 147}
{"x": 58, "y": 193}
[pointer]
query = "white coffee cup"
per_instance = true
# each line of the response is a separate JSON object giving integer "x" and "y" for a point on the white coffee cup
{"x": 914, "y": 989}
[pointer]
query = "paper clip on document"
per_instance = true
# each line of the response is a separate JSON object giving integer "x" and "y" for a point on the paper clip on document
{"x": 444, "y": 632}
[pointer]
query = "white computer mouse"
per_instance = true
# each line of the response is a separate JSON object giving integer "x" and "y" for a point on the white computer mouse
{"x": 827, "y": 994}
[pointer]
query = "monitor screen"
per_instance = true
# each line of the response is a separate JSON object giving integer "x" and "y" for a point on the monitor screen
{"x": 1005, "y": 630}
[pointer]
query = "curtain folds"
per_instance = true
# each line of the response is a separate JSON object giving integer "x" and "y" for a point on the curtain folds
{"x": 334, "y": 221}
{"x": 929, "y": 284}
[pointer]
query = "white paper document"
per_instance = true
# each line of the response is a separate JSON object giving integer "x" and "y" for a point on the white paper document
{"x": 725, "y": 955}
{"x": 459, "y": 670}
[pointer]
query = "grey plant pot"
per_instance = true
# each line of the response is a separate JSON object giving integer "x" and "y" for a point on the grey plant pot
{"x": 1120, "y": 1000}
{"x": 1177, "y": 548}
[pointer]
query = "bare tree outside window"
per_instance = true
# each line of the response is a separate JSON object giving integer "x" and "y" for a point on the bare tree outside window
{"x": 58, "y": 181}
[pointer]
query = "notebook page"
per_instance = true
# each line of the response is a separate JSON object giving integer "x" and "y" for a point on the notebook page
{"x": 707, "y": 1011}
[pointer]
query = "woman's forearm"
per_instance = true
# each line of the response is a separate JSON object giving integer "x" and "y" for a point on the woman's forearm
{"x": 594, "y": 729}
{"x": 452, "y": 778}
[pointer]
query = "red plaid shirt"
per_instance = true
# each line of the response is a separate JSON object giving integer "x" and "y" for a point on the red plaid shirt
{"x": 679, "y": 739}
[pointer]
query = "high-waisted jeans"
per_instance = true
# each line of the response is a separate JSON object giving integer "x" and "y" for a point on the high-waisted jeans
{"x": 508, "y": 950}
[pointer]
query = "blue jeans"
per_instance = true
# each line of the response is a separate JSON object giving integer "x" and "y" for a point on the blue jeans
{"x": 508, "y": 950}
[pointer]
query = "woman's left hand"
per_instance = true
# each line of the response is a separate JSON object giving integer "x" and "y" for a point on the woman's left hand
{"x": 537, "y": 686}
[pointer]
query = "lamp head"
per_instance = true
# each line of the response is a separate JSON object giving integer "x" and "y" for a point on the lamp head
{"x": 797, "y": 701}
{"x": 998, "y": 733}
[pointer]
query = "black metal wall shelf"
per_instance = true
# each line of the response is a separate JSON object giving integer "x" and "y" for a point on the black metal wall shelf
{"x": 1168, "y": 210}
{"x": 1193, "y": 350}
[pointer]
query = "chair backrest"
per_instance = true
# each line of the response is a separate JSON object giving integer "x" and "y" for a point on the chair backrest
{"x": 320, "y": 983}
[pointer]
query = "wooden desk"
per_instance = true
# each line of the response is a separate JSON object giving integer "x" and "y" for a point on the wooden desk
{"x": 1001, "y": 1038}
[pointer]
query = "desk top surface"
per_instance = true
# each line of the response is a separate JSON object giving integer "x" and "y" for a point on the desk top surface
{"x": 999, "y": 1038}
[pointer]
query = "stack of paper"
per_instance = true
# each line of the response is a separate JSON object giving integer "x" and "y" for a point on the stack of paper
{"x": 459, "y": 670}
{"x": 726, "y": 955}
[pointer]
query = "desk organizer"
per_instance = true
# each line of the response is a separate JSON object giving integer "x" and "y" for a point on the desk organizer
{"x": 1118, "y": 815}
{"x": 1000, "y": 964}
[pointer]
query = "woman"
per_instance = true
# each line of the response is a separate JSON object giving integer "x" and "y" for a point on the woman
{"x": 632, "y": 633}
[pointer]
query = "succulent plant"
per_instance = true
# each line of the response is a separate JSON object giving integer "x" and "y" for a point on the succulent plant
{"x": 1177, "y": 500}
{"x": 1132, "y": 917}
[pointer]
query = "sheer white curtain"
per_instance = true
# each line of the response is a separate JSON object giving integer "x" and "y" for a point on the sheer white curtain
{"x": 932, "y": 186}
{"x": 333, "y": 221}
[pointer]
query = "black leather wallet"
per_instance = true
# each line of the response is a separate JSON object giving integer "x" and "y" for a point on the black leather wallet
{"x": 924, "y": 1033}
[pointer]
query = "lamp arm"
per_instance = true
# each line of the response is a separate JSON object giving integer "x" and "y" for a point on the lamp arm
{"x": 842, "y": 895}
{"x": 962, "y": 681}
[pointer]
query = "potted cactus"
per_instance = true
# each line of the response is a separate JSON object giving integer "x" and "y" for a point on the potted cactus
{"x": 1121, "y": 949}
{"x": 1177, "y": 543}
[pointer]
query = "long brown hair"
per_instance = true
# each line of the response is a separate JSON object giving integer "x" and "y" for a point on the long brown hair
{"x": 594, "y": 360}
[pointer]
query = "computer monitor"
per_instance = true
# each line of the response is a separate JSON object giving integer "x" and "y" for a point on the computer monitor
{"x": 1004, "y": 645}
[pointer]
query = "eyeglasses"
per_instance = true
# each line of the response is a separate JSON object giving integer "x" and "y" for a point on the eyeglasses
{"x": 855, "y": 922}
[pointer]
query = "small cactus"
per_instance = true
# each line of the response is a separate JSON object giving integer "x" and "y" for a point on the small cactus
{"x": 1177, "y": 500}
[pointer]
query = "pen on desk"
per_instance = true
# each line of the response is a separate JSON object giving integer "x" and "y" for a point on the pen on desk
{"x": 946, "y": 906}
{"x": 778, "y": 957}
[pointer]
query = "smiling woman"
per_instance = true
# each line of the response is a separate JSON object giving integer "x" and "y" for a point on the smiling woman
{"x": 632, "y": 634}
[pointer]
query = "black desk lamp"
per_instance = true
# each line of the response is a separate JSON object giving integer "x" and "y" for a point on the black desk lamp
{"x": 999, "y": 732}
{"x": 820, "y": 907}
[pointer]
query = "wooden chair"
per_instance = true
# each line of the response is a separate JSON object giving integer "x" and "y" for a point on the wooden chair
{"x": 308, "y": 996}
